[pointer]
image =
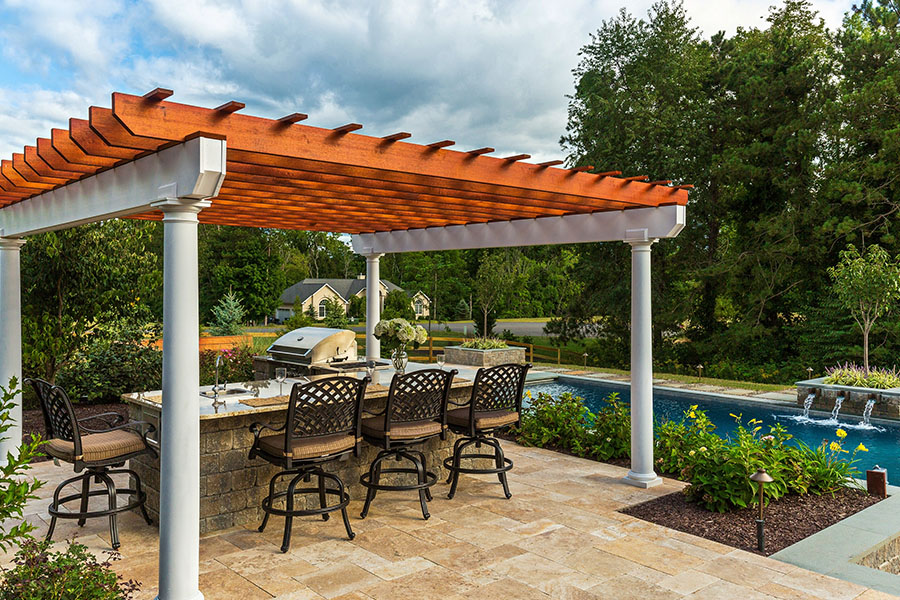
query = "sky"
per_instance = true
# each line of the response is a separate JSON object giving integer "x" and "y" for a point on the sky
{"x": 482, "y": 72}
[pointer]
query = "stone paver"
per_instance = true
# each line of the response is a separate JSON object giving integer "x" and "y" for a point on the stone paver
{"x": 560, "y": 537}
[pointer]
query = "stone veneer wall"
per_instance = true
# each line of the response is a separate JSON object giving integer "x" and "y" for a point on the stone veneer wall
{"x": 232, "y": 486}
{"x": 885, "y": 557}
{"x": 887, "y": 403}
{"x": 474, "y": 357}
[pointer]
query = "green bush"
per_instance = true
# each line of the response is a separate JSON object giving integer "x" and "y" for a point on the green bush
{"x": 851, "y": 374}
{"x": 228, "y": 316}
{"x": 298, "y": 320}
{"x": 566, "y": 423}
{"x": 108, "y": 368}
{"x": 39, "y": 574}
{"x": 485, "y": 344}
{"x": 15, "y": 488}
{"x": 237, "y": 365}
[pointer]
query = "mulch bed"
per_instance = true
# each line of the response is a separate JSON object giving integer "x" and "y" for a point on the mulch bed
{"x": 33, "y": 420}
{"x": 789, "y": 520}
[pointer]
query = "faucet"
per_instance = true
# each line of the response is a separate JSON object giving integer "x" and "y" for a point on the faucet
{"x": 216, "y": 388}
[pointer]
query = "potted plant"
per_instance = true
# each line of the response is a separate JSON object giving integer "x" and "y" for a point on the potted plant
{"x": 484, "y": 352}
{"x": 397, "y": 334}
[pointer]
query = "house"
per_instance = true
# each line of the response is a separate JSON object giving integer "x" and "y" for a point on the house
{"x": 317, "y": 293}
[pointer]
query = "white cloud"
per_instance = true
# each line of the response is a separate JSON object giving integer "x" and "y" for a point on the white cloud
{"x": 482, "y": 72}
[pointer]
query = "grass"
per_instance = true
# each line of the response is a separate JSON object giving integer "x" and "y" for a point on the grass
{"x": 742, "y": 385}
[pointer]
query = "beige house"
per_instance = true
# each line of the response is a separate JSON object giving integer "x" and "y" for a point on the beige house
{"x": 316, "y": 293}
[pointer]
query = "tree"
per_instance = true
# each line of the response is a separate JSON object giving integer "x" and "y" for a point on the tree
{"x": 397, "y": 305}
{"x": 83, "y": 284}
{"x": 493, "y": 283}
{"x": 335, "y": 314}
{"x": 228, "y": 316}
{"x": 357, "y": 309}
{"x": 868, "y": 286}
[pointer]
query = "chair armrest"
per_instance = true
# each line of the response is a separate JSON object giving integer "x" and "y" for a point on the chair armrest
{"x": 257, "y": 428}
{"x": 110, "y": 419}
{"x": 142, "y": 428}
{"x": 466, "y": 402}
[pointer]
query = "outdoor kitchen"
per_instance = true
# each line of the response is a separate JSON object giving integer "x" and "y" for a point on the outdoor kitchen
{"x": 231, "y": 485}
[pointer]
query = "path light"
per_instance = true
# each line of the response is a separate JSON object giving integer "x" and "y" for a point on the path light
{"x": 809, "y": 371}
{"x": 585, "y": 355}
{"x": 700, "y": 371}
{"x": 761, "y": 478}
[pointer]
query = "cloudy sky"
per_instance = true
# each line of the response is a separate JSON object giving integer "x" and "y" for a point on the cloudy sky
{"x": 482, "y": 72}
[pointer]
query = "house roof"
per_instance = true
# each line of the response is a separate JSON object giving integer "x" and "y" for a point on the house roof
{"x": 345, "y": 288}
{"x": 292, "y": 176}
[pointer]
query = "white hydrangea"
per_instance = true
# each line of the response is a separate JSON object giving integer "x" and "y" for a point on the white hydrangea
{"x": 402, "y": 331}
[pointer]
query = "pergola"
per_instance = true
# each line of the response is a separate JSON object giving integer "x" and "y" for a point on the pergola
{"x": 148, "y": 158}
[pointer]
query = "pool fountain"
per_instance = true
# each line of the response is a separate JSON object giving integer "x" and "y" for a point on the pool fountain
{"x": 837, "y": 408}
{"x": 807, "y": 404}
{"x": 867, "y": 411}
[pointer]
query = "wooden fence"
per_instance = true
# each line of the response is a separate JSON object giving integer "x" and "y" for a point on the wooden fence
{"x": 532, "y": 351}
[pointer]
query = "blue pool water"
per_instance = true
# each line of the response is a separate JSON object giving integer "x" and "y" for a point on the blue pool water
{"x": 883, "y": 441}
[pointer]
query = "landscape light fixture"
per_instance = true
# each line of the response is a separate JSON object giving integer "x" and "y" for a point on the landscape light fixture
{"x": 809, "y": 371}
{"x": 700, "y": 371}
{"x": 761, "y": 478}
{"x": 585, "y": 355}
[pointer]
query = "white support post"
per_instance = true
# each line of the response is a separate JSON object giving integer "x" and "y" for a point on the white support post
{"x": 373, "y": 306}
{"x": 641, "y": 473}
{"x": 179, "y": 503}
{"x": 11, "y": 337}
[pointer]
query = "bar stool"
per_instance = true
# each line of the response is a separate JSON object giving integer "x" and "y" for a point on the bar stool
{"x": 416, "y": 411}
{"x": 322, "y": 425}
{"x": 93, "y": 451}
{"x": 496, "y": 403}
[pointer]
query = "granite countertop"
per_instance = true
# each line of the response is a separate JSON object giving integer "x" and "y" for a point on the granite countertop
{"x": 233, "y": 407}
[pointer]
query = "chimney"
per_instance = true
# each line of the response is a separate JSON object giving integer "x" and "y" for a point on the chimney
{"x": 362, "y": 276}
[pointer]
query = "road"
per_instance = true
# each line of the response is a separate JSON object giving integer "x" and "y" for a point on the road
{"x": 517, "y": 328}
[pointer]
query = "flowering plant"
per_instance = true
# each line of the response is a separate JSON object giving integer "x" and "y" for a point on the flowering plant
{"x": 399, "y": 332}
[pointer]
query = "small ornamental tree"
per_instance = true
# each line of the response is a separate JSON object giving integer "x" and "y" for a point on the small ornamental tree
{"x": 335, "y": 314}
{"x": 228, "y": 316}
{"x": 15, "y": 489}
{"x": 866, "y": 285}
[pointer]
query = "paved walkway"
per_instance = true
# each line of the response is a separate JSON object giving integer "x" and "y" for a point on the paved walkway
{"x": 560, "y": 537}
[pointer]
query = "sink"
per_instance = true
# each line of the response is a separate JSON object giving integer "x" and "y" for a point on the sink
{"x": 232, "y": 391}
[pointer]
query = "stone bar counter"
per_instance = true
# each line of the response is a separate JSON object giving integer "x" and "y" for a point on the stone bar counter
{"x": 232, "y": 486}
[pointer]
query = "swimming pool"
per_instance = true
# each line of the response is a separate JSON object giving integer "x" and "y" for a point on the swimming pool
{"x": 883, "y": 441}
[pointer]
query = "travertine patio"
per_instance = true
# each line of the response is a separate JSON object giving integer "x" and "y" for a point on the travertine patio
{"x": 558, "y": 537}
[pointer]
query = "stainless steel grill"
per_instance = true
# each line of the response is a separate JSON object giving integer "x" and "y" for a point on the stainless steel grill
{"x": 315, "y": 346}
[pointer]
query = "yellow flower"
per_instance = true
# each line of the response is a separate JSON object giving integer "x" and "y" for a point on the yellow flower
{"x": 835, "y": 447}
{"x": 528, "y": 393}
{"x": 691, "y": 453}
{"x": 861, "y": 448}
{"x": 692, "y": 415}
{"x": 841, "y": 433}
{"x": 702, "y": 448}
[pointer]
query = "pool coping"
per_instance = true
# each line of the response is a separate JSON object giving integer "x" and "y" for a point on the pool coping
{"x": 749, "y": 400}
{"x": 835, "y": 550}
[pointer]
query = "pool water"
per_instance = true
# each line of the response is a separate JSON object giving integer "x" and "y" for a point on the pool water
{"x": 883, "y": 441}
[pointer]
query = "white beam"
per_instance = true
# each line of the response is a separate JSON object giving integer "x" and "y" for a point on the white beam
{"x": 191, "y": 169}
{"x": 373, "y": 306}
{"x": 621, "y": 225}
{"x": 641, "y": 473}
{"x": 179, "y": 470}
{"x": 11, "y": 339}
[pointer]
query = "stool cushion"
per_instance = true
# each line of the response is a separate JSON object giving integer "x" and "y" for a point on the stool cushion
{"x": 409, "y": 430}
{"x": 483, "y": 420}
{"x": 98, "y": 446}
{"x": 308, "y": 447}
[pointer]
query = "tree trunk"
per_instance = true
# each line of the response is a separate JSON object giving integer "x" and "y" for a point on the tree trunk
{"x": 484, "y": 331}
{"x": 866, "y": 349}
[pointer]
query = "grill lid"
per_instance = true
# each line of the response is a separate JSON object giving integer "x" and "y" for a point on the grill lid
{"x": 308, "y": 345}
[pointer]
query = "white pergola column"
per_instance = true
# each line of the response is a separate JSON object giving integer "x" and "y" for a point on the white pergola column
{"x": 373, "y": 305}
{"x": 11, "y": 337}
{"x": 641, "y": 473}
{"x": 179, "y": 502}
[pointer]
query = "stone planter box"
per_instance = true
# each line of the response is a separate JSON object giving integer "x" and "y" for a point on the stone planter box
{"x": 474, "y": 357}
{"x": 824, "y": 396}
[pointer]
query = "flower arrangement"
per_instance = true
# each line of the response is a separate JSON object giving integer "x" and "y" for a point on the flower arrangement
{"x": 400, "y": 332}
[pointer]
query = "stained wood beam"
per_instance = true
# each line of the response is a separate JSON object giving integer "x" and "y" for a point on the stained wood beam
{"x": 660, "y": 182}
{"x": 480, "y": 151}
{"x": 516, "y": 157}
{"x": 347, "y": 128}
{"x": 442, "y": 144}
{"x": 636, "y": 178}
{"x": 293, "y": 118}
{"x": 608, "y": 173}
{"x": 400, "y": 135}
{"x": 581, "y": 169}
{"x": 230, "y": 107}
{"x": 550, "y": 163}
{"x": 157, "y": 95}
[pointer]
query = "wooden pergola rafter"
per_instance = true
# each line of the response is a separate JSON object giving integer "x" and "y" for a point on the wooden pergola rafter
{"x": 282, "y": 173}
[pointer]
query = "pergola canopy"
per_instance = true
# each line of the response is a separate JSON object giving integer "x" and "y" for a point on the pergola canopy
{"x": 284, "y": 174}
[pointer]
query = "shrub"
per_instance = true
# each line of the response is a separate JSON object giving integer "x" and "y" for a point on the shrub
{"x": 108, "y": 368}
{"x": 852, "y": 374}
{"x": 566, "y": 423}
{"x": 298, "y": 320}
{"x": 335, "y": 314}
{"x": 237, "y": 365}
{"x": 228, "y": 316}
{"x": 15, "y": 489}
{"x": 484, "y": 343}
{"x": 39, "y": 574}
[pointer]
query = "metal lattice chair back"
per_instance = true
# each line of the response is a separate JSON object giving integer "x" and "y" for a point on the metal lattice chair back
{"x": 419, "y": 396}
{"x": 60, "y": 415}
{"x": 325, "y": 407}
{"x": 499, "y": 388}
{"x": 42, "y": 391}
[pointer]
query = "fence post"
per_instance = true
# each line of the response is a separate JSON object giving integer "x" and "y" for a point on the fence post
{"x": 531, "y": 352}
{"x": 558, "y": 356}
{"x": 431, "y": 350}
